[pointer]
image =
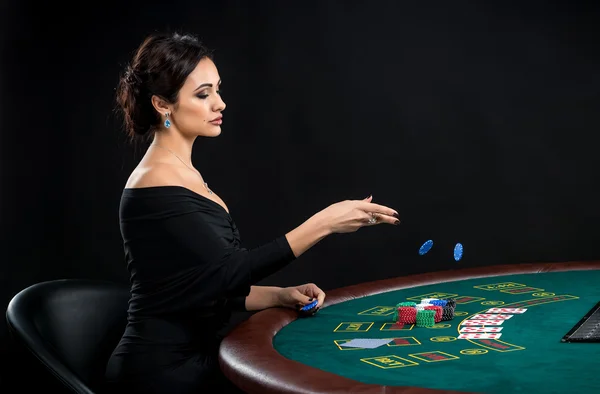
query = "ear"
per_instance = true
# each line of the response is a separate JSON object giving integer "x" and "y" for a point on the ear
{"x": 160, "y": 105}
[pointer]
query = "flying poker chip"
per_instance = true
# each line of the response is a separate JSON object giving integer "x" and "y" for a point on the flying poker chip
{"x": 426, "y": 247}
{"x": 458, "y": 251}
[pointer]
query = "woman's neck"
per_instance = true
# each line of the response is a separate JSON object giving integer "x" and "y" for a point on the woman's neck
{"x": 175, "y": 144}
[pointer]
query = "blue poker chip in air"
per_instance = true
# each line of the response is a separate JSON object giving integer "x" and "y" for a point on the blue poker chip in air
{"x": 425, "y": 247}
{"x": 458, "y": 251}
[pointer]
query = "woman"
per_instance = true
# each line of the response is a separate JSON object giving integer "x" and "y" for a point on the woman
{"x": 187, "y": 268}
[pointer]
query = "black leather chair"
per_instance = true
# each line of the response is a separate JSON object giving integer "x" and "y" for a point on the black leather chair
{"x": 71, "y": 326}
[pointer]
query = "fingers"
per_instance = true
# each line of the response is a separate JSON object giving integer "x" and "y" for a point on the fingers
{"x": 321, "y": 298}
{"x": 373, "y": 218}
{"x": 312, "y": 291}
{"x": 306, "y": 300}
{"x": 303, "y": 298}
{"x": 320, "y": 294}
{"x": 370, "y": 207}
{"x": 369, "y": 218}
{"x": 380, "y": 218}
{"x": 377, "y": 208}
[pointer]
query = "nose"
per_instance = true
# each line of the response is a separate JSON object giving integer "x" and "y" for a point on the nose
{"x": 219, "y": 104}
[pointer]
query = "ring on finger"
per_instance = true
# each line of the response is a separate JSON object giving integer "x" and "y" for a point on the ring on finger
{"x": 373, "y": 218}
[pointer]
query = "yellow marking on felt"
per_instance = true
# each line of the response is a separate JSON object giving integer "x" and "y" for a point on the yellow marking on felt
{"x": 442, "y": 339}
{"x": 473, "y": 352}
{"x": 439, "y": 326}
{"x": 383, "y": 327}
{"x": 474, "y": 299}
{"x": 387, "y": 362}
{"x": 416, "y": 342}
{"x": 354, "y": 327}
{"x": 412, "y": 342}
{"x": 379, "y": 311}
{"x": 498, "y": 286}
{"x": 543, "y": 294}
{"x": 514, "y": 347}
{"x": 461, "y": 313}
{"x": 432, "y": 295}
{"x": 547, "y": 300}
{"x": 492, "y": 303}
{"x": 342, "y": 341}
{"x": 449, "y": 357}
{"x": 530, "y": 290}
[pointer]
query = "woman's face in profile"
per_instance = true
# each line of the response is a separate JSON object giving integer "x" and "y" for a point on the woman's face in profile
{"x": 199, "y": 106}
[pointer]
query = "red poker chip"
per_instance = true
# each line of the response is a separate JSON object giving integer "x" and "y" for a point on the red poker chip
{"x": 407, "y": 315}
{"x": 438, "y": 312}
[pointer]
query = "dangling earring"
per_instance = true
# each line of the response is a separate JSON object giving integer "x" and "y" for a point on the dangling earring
{"x": 167, "y": 122}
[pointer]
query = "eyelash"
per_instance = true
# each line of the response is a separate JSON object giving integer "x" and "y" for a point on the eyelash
{"x": 203, "y": 96}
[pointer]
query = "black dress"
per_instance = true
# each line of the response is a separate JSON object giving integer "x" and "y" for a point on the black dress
{"x": 188, "y": 271}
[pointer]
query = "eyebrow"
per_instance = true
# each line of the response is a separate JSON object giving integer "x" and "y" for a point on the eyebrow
{"x": 206, "y": 84}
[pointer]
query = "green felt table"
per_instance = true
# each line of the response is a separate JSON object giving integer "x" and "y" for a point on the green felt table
{"x": 528, "y": 357}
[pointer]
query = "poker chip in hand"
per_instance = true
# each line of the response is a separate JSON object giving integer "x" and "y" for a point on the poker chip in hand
{"x": 308, "y": 309}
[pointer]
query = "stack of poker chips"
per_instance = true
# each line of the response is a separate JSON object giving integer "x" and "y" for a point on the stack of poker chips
{"x": 425, "y": 314}
{"x": 437, "y": 310}
{"x": 448, "y": 310}
{"x": 405, "y": 312}
{"x": 425, "y": 318}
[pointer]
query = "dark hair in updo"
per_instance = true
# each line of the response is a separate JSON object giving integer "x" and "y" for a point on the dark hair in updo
{"x": 159, "y": 67}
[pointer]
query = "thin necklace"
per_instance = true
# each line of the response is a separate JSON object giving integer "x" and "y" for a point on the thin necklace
{"x": 183, "y": 162}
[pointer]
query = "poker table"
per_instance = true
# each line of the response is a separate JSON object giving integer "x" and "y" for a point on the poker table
{"x": 275, "y": 351}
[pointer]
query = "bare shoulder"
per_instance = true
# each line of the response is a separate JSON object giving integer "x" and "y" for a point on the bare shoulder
{"x": 155, "y": 174}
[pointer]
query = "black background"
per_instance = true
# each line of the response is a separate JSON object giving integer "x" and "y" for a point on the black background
{"x": 477, "y": 122}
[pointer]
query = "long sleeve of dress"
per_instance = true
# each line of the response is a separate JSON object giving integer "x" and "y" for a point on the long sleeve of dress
{"x": 221, "y": 257}
{"x": 184, "y": 251}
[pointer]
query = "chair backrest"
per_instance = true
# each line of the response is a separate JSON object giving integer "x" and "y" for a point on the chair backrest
{"x": 71, "y": 326}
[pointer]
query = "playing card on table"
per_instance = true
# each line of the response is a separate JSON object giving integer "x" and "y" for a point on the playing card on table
{"x": 367, "y": 343}
{"x": 479, "y": 336}
{"x": 491, "y": 317}
{"x": 482, "y": 322}
{"x": 507, "y": 310}
{"x": 480, "y": 329}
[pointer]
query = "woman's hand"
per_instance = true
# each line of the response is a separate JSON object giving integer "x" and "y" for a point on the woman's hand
{"x": 348, "y": 216}
{"x": 291, "y": 297}
{"x": 341, "y": 217}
